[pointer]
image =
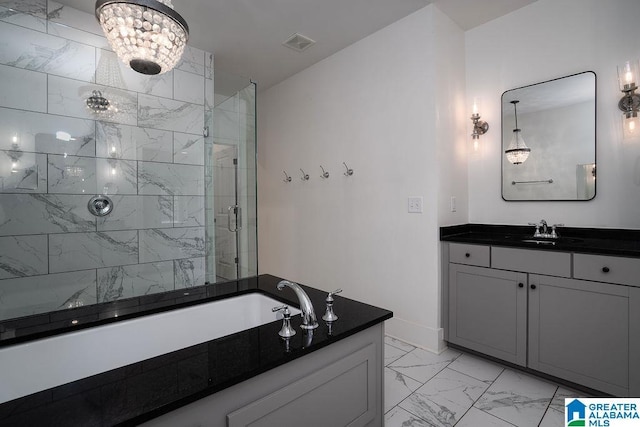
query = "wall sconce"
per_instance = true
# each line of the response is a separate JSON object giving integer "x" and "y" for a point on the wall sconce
{"x": 480, "y": 127}
{"x": 630, "y": 102}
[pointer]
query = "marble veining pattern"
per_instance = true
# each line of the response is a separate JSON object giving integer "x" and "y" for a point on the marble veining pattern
{"x": 71, "y": 17}
{"x": 44, "y": 213}
{"x": 32, "y": 22}
{"x": 138, "y": 212}
{"x": 171, "y": 243}
{"x": 32, "y": 50}
{"x": 80, "y": 251}
{"x": 68, "y": 97}
{"x": 398, "y": 417}
{"x": 168, "y": 114}
{"x": 32, "y": 7}
{"x": 57, "y": 154}
{"x": 188, "y": 149}
{"x": 193, "y": 61}
{"x": 170, "y": 179}
{"x": 517, "y": 397}
{"x": 22, "y": 256}
{"x": 470, "y": 391}
{"x": 189, "y": 272}
{"x": 422, "y": 365}
{"x": 397, "y": 387}
{"x": 57, "y": 292}
{"x": 133, "y": 143}
{"x": 22, "y": 172}
{"x": 445, "y": 398}
{"x": 189, "y": 211}
{"x": 134, "y": 280}
{"x": 43, "y": 133}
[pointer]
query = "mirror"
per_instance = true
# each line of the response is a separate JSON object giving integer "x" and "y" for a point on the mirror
{"x": 551, "y": 153}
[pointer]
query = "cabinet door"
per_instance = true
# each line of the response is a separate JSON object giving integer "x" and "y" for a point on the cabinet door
{"x": 488, "y": 311}
{"x": 579, "y": 331}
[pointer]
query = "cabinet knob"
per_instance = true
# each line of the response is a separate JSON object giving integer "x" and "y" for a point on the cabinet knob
{"x": 533, "y": 286}
{"x": 605, "y": 269}
{"x": 521, "y": 285}
{"x": 467, "y": 254}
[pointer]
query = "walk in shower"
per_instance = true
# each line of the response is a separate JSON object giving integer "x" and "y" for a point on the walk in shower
{"x": 113, "y": 184}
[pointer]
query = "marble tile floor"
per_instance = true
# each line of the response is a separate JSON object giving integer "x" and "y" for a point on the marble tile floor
{"x": 423, "y": 389}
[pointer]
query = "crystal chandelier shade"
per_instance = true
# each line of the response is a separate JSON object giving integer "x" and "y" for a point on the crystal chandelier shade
{"x": 517, "y": 152}
{"x": 147, "y": 35}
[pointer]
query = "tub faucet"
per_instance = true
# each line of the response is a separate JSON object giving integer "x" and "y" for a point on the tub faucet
{"x": 308, "y": 314}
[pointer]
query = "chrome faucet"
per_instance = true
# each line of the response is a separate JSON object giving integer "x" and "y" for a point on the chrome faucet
{"x": 545, "y": 230}
{"x": 308, "y": 314}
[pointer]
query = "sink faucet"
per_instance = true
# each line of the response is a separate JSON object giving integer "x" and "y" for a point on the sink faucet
{"x": 545, "y": 230}
{"x": 308, "y": 314}
{"x": 543, "y": 224}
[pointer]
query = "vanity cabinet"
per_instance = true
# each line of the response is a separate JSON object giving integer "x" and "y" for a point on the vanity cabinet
{"x": 570, "y": 315}
{"x": 488, "y": 311}
{"x": 579, "y": 331}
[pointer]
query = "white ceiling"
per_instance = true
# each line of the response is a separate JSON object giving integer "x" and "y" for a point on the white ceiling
{"x": 246, "y": 36}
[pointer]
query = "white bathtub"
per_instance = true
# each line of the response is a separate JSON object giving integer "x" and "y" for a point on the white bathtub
{"x": 38, "y": 365}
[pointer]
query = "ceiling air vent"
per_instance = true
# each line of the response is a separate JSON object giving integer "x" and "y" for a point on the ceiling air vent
{"x": 298, "y": 42}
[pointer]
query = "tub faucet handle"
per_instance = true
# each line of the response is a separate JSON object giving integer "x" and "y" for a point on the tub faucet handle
{"x": 286, "y": 331}
{"x": 329, "y": 315}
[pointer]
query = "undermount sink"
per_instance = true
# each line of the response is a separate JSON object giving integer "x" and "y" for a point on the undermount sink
{"x": 544, "y": 241}
{"x": 539, "y": 242}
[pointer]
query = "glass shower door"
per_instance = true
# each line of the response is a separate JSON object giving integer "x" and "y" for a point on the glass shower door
{"x": 228, "y": 214}
{"x": 232, "y": 200}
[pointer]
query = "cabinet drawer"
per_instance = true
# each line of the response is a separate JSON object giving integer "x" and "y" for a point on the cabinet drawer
{"x": 470, "y": 254}
{"x": 528, "y": 261}
{"x": 610, "y": 269}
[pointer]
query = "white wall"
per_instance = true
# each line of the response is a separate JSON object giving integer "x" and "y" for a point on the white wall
{"x": 546, "y": 40}
{"x": 379, "y": 105}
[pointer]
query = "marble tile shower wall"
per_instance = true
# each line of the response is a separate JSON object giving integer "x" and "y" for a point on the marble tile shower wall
{"x": 55, "y": 154}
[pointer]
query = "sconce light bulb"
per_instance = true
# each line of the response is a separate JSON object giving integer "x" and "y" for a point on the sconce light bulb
{"x": 475, "y": 144}
{"x": 113, "y": 148}
{"x": 14, "y": 164}
{"x": 14, "y": 139}
{"x": 113, "y": 171}
{"x": 474, "y": 109}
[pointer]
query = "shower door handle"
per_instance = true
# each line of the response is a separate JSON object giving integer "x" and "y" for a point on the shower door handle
{"x": 232, "y": 211}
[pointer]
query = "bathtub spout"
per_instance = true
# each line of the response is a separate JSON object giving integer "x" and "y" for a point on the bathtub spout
{"x": 308, "y": 314}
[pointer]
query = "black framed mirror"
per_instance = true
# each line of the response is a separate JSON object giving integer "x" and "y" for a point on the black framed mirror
{"x": 549, "y": 140}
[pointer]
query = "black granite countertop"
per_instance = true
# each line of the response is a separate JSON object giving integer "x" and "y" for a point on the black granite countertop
{"x": 141, "y": 391}
{"x": 604, "y": 241}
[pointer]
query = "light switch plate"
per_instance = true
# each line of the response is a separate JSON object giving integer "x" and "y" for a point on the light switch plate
{"x": 415, "y": 204}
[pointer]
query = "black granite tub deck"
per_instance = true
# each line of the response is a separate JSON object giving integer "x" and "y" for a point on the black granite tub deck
{"x": 141, "y": 391}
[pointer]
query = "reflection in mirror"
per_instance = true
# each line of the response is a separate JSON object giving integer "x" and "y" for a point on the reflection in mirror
{"x": 557, "y": 119}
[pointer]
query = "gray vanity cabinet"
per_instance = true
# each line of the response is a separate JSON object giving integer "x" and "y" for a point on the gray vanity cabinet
{"x": 488, "y": 311}
{"x": 571, "y": 315}
{"x": 579, "y": 331}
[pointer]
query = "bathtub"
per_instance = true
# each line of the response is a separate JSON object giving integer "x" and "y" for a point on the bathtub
{"x": 42, "y": 364}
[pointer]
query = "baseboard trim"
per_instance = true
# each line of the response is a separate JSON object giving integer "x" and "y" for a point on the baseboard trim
{"x": 430, "y": 339}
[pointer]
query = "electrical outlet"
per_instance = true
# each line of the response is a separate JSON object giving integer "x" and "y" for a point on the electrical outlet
{"x": 453, "y": 203}
{"x": 415, "y": 204}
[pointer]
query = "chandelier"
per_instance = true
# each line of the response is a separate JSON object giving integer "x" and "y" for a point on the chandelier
{"x": 147, "y": 35}
{"x": 517, "y": 152}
